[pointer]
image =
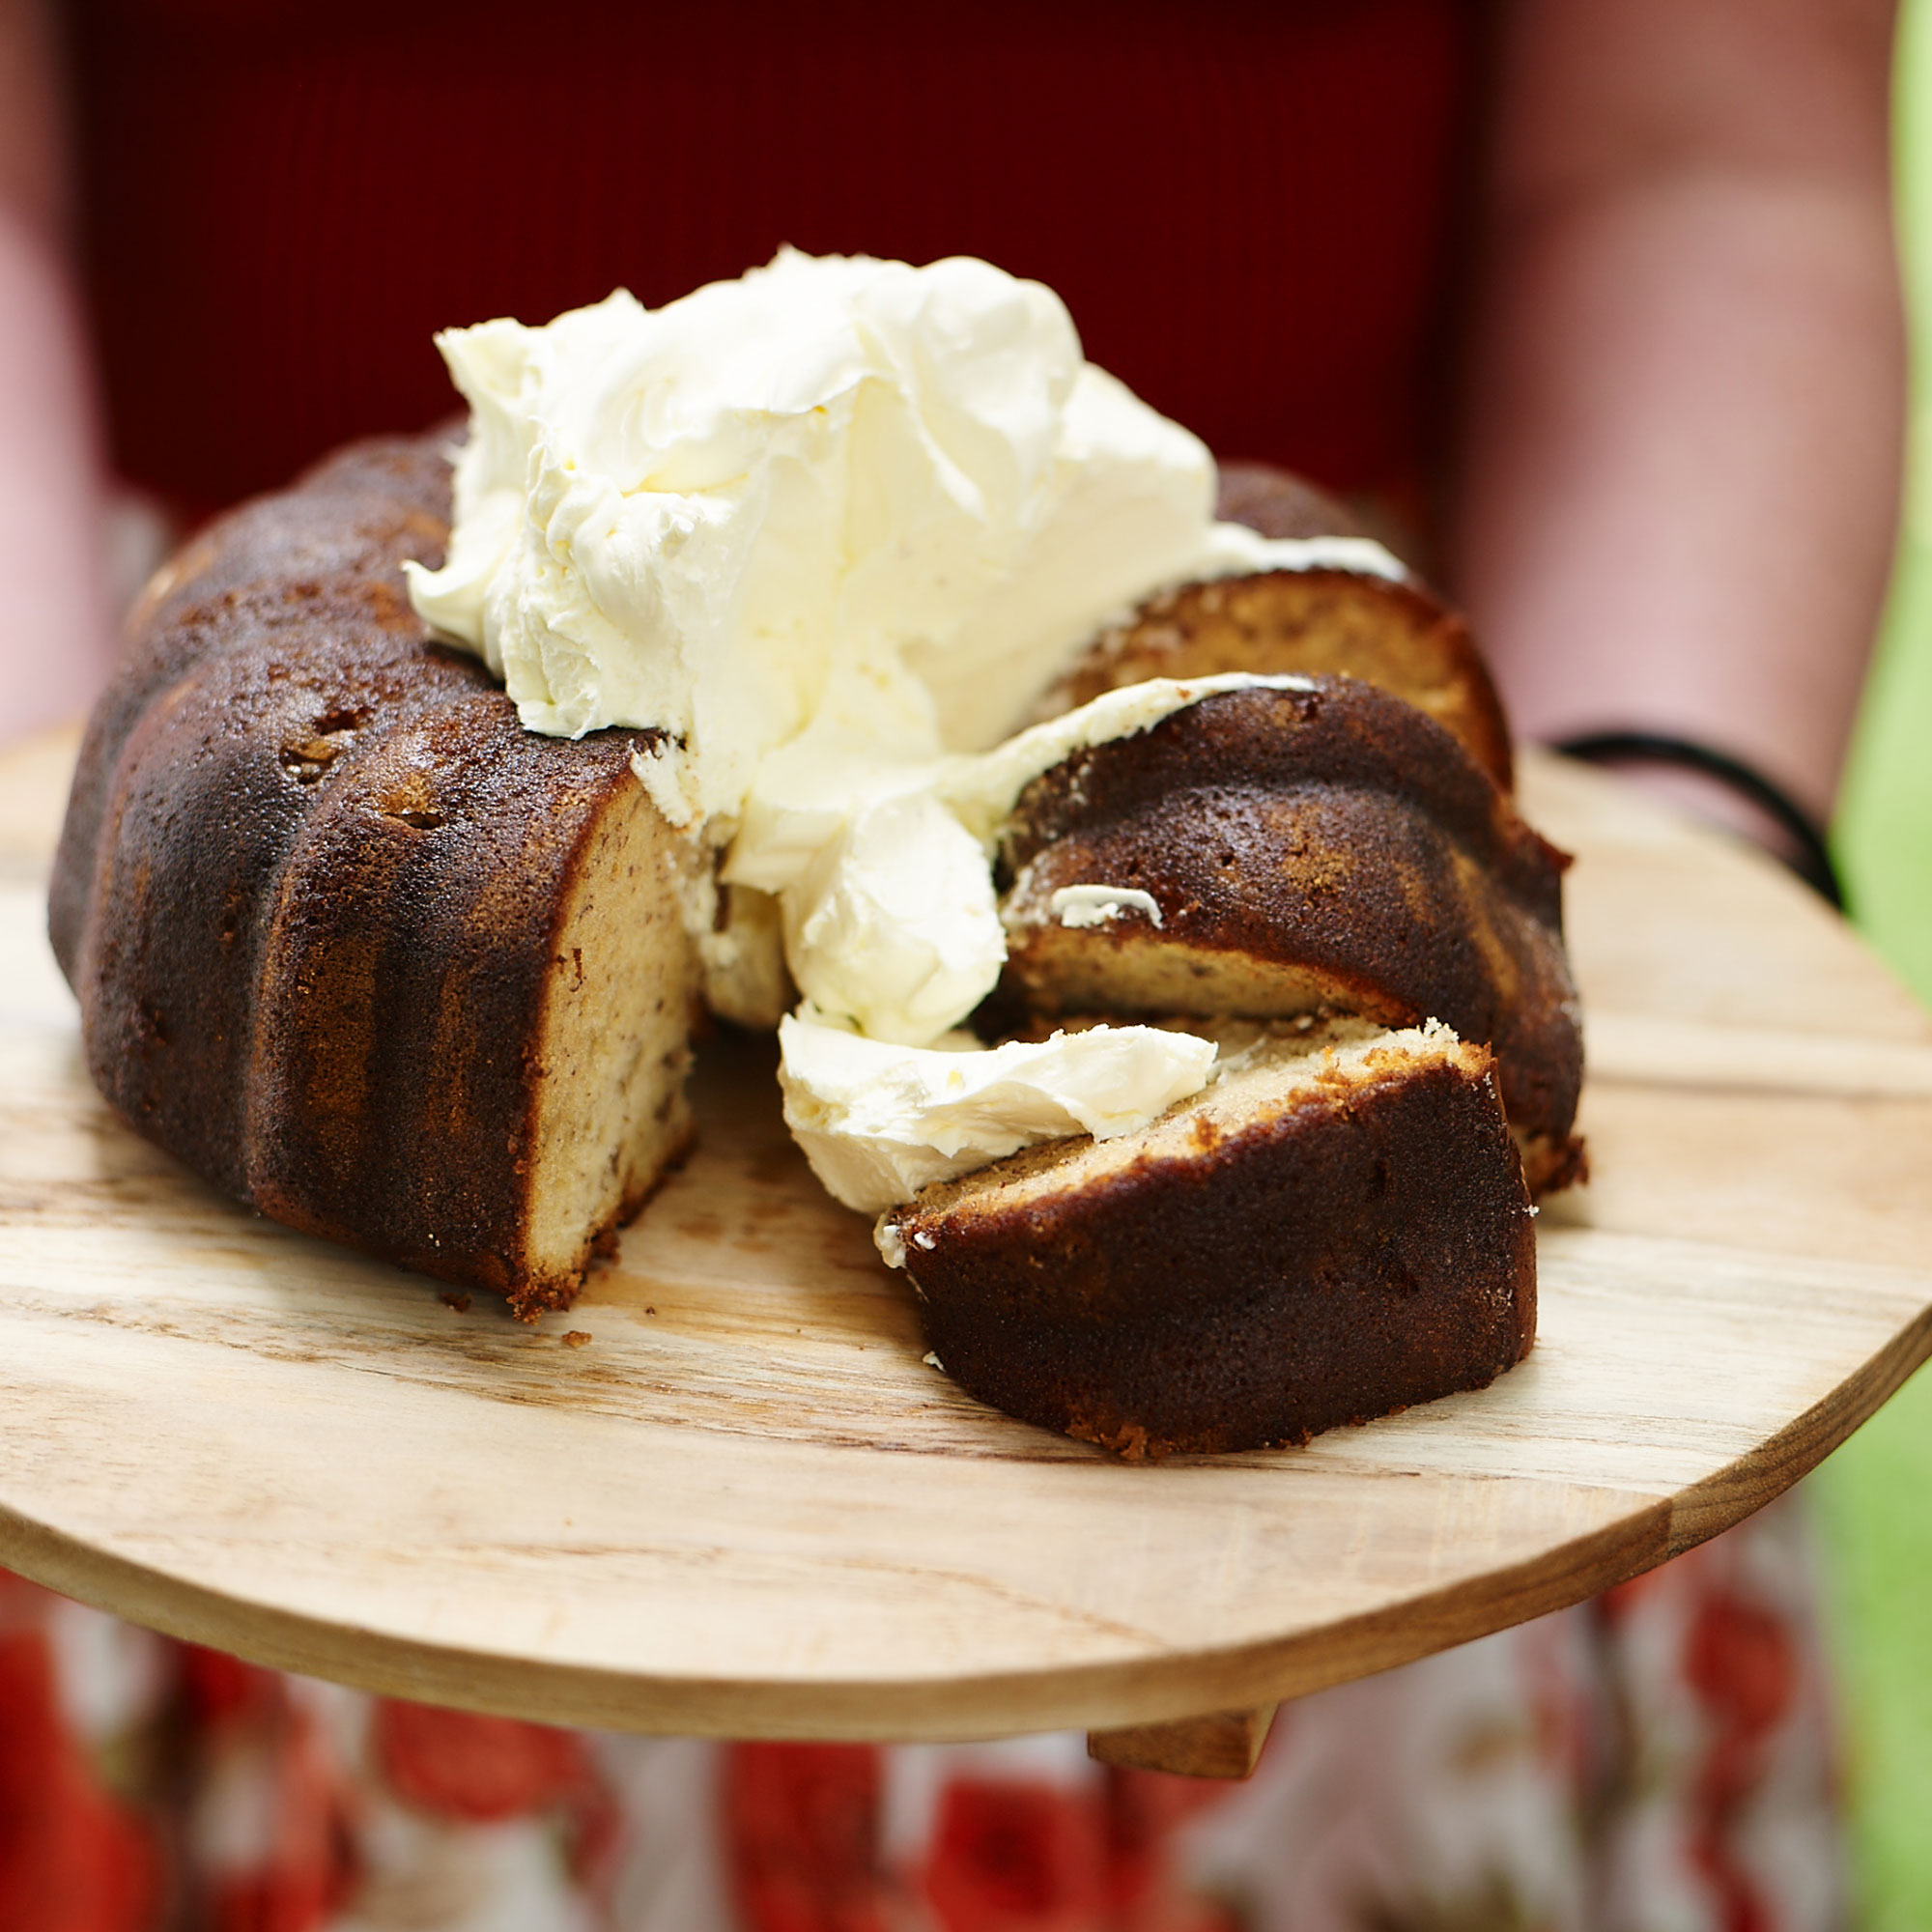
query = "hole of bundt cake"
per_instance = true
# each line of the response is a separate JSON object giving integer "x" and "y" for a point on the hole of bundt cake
{"x": 423, "y": 821}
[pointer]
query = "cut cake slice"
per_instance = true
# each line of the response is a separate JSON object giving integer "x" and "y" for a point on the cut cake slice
{"x": 1335, "y": 1227}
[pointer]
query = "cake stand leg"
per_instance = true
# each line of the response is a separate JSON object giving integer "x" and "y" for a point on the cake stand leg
{"x": 1223, "y": 1743}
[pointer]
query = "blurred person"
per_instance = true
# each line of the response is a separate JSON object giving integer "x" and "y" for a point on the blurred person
{"x": 1600, "y": 294}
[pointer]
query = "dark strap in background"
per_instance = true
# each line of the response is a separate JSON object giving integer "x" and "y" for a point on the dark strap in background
{"x": 1813, "y": 862}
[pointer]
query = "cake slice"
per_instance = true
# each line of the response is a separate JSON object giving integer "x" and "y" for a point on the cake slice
{"x": 1272, "y": 852}
{"x": 1335, "y": 1227}
{"x": 1395, "y": 634}
{"x": 473, "y": 1007}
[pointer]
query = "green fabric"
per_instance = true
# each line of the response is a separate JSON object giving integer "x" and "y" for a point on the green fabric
{"x": 1875, "y": 1512}
{"x": 1875, "y": 1495}
{"x": 1884, "y": 835}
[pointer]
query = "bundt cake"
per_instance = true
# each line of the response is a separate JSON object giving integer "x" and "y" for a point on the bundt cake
{"x": 363, "y": 950}
{"x": 1277, "y": 851}
{"x": 1333, "y": 1229}
{"x": 347, "y": 940}
{"x": 360, "y": 950}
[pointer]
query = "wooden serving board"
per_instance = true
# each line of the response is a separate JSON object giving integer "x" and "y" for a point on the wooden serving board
{"x": 745, "y": 1506}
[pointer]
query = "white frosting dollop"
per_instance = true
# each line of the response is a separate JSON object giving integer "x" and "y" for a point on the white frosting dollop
{"x": 1080, "y": 906}
{"x": 875, "y": 505}
{"x": 879, "y": 1121}
{"x": 895, "y": 927}
{"x": 834, "y": 528}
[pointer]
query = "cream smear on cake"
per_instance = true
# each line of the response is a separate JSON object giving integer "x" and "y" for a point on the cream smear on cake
{"x": 1082, "y": 906}
{"x": 878, "y": 1122}
{"x": 833, "y": 527}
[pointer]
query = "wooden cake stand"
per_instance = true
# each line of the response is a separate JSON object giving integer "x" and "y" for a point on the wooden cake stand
{"x": 725, "y": 1495}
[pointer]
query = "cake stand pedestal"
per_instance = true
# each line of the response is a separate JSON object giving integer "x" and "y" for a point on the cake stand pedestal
{"x": 725, "y": 1495}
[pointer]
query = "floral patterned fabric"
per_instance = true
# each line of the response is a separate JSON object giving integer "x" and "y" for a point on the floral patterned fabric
{"x": 1658, "y": 1761}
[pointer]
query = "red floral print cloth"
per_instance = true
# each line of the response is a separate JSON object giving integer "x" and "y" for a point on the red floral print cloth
{"x": 1658, "y": 1761}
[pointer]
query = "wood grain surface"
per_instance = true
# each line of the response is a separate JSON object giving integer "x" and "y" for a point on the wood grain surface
{"x": 1224, "y": 1744}
{"x": 745, "y": 1506}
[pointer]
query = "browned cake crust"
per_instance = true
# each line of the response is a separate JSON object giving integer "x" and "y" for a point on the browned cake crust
{"x": 1400, "y": 636}
{"x": 1285, "y": 1253}
{"x": 1328, "y": 848}
{"x": 316, "y": 887}
{"x": 1278, "y": 503}
{"x": 325, "y": 555}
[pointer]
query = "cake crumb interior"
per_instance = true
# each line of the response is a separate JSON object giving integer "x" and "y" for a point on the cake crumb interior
{"x": 615, "y": 1038}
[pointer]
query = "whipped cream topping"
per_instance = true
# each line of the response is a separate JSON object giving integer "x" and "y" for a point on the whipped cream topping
{"x": 842, "y": 498}
{"x": 895, "y": 926}
{"x": 834, "y": 528}
{"x": 879, "y": 1121}
{"x": 1080, "y": 906}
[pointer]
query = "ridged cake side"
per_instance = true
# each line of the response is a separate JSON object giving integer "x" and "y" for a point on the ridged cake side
{"x": 324, "y": 901}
